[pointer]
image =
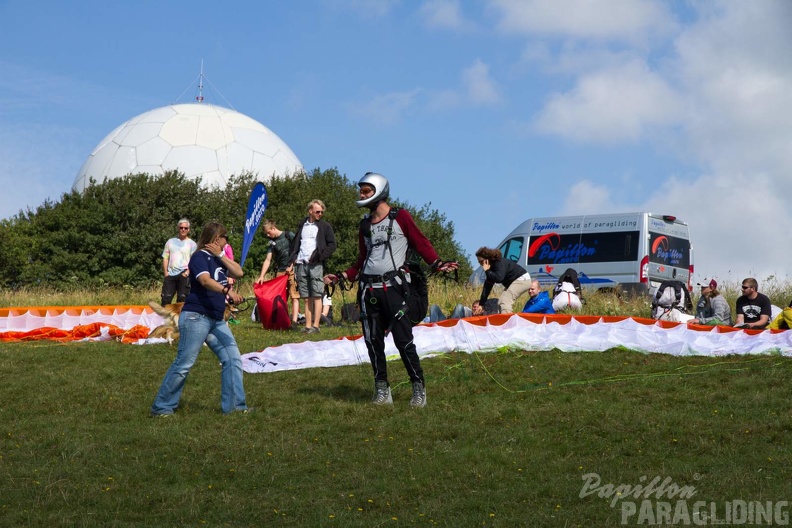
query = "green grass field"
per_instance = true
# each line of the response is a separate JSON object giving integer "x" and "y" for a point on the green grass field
{"x": 505, "y": 440}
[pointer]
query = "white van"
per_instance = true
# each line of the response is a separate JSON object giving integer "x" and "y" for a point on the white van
{"x": 623, "y": 253}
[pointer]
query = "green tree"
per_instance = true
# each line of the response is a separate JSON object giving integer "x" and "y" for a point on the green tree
{"x": 113, "y": 232}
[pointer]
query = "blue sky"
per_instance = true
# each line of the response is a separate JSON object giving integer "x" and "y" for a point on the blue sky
{"x": 493, "y": 111}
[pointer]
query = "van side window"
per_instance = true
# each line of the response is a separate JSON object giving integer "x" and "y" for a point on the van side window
{"x": 573, "y": 248}
{"x": 512, "y": 248}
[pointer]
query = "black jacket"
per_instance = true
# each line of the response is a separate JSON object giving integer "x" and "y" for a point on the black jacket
{"x": 325, "y": 243}
{"x": 502, "y": 271}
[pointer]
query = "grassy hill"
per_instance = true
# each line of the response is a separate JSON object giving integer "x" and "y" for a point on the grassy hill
{"x": 507, "y": 439}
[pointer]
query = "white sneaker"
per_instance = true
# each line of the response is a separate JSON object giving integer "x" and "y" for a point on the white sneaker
{"x": 419, "y": 395}
{"x": 382, "y": 394}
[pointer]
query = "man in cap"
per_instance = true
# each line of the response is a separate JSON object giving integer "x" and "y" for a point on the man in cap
{"x": 384, "y": 284}
{"x": 712, "y": 308}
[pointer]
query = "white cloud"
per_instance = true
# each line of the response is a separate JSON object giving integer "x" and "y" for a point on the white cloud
{"x": 481, "y": 89}
{"x": 585, "y": 197}
{"x": 478, "y": 89}
{"x": 444, "y": 100}
{"x": 738, "y": 73}
{"x": 575, "y": 59}
{"x": 611, "y": 106}
{"x": 737, "y": 228}
{"x": 630, "y": 20}
{"x": 445, "y": 14}
{"x": 723, "y": 98}
{"x": 387, "y": 109}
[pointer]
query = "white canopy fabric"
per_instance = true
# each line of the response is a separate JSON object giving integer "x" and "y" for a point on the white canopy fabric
{"x": 29, "y": 318}
{"x": 538, "y": 333}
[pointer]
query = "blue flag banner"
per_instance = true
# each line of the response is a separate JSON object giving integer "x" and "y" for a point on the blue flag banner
{"x": 255, "y": 212}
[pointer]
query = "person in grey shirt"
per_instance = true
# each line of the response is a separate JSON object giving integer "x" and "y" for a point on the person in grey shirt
{"x": 712, "y": 308}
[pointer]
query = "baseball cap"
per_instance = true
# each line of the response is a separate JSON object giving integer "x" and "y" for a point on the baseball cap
{"x": 708, "y": 283}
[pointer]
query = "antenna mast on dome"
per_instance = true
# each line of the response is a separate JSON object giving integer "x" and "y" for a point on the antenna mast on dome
{"x": 200, "y": 97}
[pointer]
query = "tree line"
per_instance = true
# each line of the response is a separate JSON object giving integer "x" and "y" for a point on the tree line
{"x": 112, "y": 234}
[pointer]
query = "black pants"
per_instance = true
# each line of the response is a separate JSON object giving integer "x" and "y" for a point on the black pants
{"x": 382, "y": 309}
{"x": 175, "y": 284}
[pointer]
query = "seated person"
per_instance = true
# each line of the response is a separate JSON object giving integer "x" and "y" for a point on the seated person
{"x": 436, "y": 314}
{"x": 327, "y": 311}
{"x": 753, "y": 308}
{"x": 460, "y": 311}
{"x": 783, "y": 321}
{"x": 712, "y": 308}
{"x": 566, "y": 298}
{"x": 539, "y": 301}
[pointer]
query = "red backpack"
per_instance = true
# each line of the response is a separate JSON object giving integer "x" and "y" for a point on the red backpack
{"x": 271, "y": 303}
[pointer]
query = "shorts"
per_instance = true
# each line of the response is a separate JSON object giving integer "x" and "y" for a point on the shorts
{"x": 292, "y": 284}
{"x": 309, "y": 280}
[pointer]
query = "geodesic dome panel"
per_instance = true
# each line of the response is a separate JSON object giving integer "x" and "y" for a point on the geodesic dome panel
{"x": 199, "y": 140}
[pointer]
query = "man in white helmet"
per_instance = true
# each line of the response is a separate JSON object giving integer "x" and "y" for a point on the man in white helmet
{"x": 384, "y": 281}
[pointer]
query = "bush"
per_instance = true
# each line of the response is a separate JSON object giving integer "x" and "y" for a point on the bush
{"x": 113, "y": 233}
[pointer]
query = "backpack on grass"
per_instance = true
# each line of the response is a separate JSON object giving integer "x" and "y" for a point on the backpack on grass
{"x": 672, "y": 302}
{"x": 271, "y": 303}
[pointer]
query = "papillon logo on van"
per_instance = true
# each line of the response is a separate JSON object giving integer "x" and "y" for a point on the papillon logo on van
{"x": 547, "y": 249}
{"x": 537, "y": 227}
{"x": 660, "y": 241}
{"x": 551, "y": 239}
{"x": 662, "y": 251}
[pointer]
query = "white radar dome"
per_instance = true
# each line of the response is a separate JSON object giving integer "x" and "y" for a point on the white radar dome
{"x": 199, "y": 140}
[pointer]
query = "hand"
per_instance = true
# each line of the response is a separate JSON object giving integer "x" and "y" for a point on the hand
{"x": 260, "y": 280}
{"x": 331, "y": 278}
{"x": 442, "y": 266}
{"x": 215, "y": 248}
{"x": 485, "y": 264}
{"x": 235, "y": 297}
{"x": 446, "y": 267}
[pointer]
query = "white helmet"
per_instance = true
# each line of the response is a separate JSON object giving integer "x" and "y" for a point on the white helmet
{"x": 381, "y": 189}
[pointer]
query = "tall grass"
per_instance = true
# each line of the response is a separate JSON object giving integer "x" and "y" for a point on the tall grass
{"x": 444, "y": 293}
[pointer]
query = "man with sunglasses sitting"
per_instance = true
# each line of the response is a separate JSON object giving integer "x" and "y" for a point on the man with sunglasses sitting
{"x": 753, "y": 308}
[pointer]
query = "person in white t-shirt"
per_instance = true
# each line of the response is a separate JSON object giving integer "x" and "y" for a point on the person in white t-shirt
{"x": 175, "y": 259}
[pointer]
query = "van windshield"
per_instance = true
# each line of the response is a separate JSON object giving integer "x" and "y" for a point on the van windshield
{"x": 512, "y": 249}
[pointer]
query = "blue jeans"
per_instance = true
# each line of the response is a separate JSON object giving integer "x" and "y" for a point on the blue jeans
{"x": 460, "y": 311}
{"x": 195, "y": 329}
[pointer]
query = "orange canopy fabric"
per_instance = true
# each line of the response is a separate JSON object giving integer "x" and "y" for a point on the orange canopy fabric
{"x": 127, "y": 324}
